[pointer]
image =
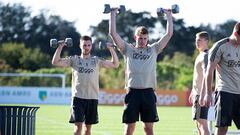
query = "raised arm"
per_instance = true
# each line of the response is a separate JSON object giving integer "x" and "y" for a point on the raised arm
{"x": 169, "y": 30}
{"x": 57, "y": 60}
{"x": 114, "y": 62}
{"x": 113, "y": 32}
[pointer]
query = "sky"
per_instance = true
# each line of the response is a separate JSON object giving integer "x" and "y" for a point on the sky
{"x": 89, "y": 12}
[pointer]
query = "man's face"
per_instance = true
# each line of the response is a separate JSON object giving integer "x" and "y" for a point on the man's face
{"x": 86, "y": 46}
{"x": 141, "y": 40}
{"x": 201, "y": 43}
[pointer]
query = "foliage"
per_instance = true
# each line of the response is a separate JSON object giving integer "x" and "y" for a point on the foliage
{"x": 24, "y": 46}
{"x": 5, "y": 67}
{"x": 13, "y": 22}
{"x": 19, "y": 57}
{"x": 56, "y": 81}
{"x": 175, "y": 73}
{"x": 38, "y": 81}
{"x": 18, "y": 26}
{"x": 223, "y": 30}
{"x": 112, "y": 78}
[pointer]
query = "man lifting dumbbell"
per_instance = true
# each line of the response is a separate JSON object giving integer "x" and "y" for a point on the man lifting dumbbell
{"x": 174, "y": 10}
{"x": 140, "y": 100}
{"x": 107, "y": 9}
{"x": 67, "y": 42}
{"x": 85, "y": 81}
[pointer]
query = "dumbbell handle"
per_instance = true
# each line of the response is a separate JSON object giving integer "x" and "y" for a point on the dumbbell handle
{"x": 67, "y": 42}
{"x": 108, "y": 9}
{"x": 103, "y": 45}
{"x": 174, "y": 10}
{"x": 61, "y": 42}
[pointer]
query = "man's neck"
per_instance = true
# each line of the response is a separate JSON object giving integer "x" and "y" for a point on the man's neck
{"x": 85, "y": 56}
{"x": 233, "y": 40}
{"x": 137, "y": 46}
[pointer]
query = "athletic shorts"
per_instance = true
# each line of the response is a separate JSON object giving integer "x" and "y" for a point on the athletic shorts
{"x": 227, "y": 108}
{"x": 140, "y": 102}
{"x": 84, "y": 110}
{"x": 199, "y": 112}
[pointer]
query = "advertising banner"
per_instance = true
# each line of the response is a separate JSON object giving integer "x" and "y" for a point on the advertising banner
{"x": 46, "y": 95}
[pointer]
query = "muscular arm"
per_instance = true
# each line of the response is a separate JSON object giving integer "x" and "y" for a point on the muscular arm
{"x": 57, "y": 60}
{"x": 169, "y": 30}
{"x": 112, "y": 31}
{"x": 114, "y": 63}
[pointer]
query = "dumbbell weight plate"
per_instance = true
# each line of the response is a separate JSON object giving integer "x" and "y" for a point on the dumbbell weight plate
{"x": 53, "y": 43}
{"x": 101, "y": 45}
{"x": 175, "y": 9}
{"x": 68, "y": 42}
{"x": 160, "y": 12}
{"x": 107, "y": 8}
{"x": 121, "y": 9}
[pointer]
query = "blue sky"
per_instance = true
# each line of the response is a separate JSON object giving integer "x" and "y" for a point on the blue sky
{"x": 85, "y": 13}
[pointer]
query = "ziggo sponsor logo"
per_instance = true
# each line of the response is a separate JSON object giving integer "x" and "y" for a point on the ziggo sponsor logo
{"x": 139, "y": 56}
{"x": 167, "y": 99}
{"x": 85, "y": 70}
{"x": 109, "y": 98}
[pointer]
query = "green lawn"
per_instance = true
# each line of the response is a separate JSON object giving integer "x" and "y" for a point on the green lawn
{"x": 53, "y": 120}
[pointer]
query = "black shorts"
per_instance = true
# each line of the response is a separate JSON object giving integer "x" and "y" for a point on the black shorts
{"x": 140, "y": 102}
{"x": 227, "y": 108}
{"x": 198, "y": 112}
{"x": 84, "y": 110}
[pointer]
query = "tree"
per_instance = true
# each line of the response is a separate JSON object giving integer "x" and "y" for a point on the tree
{"x": 13, "y": 22}
{"x": 17, "y": 56}
{"x": 43, "y": 28}
{"x": 175, "y": 72}
{"x": 223, "y": 30}
{"x": 182, "y": 40}
{"x": 17, "y": 26}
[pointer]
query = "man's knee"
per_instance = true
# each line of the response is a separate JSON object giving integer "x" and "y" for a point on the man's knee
{"x": 77, "y": 128}
{"x": 221, "y": 131}
{"x": 148, "y": 128}
{"x": 129, "y": 129}
{"x": 87, "y": 130}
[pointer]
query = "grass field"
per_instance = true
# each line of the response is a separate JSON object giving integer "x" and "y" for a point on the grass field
{"x": 53, "y": 120}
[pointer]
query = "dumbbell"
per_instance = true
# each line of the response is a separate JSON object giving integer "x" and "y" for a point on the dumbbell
{"x": 67, "y": 42}
{"x": 103, "y": 45}
{"x": 107, "y": 9}
{"x": 174, "y": 10}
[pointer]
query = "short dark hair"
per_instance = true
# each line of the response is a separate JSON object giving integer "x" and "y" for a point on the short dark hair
{"x": 203, "y": 34}
{"x": 141, "y": 30}
{"x": 85, "y": 38}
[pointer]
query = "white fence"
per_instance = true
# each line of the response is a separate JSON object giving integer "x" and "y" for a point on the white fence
{"x": 62, "y": 76}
